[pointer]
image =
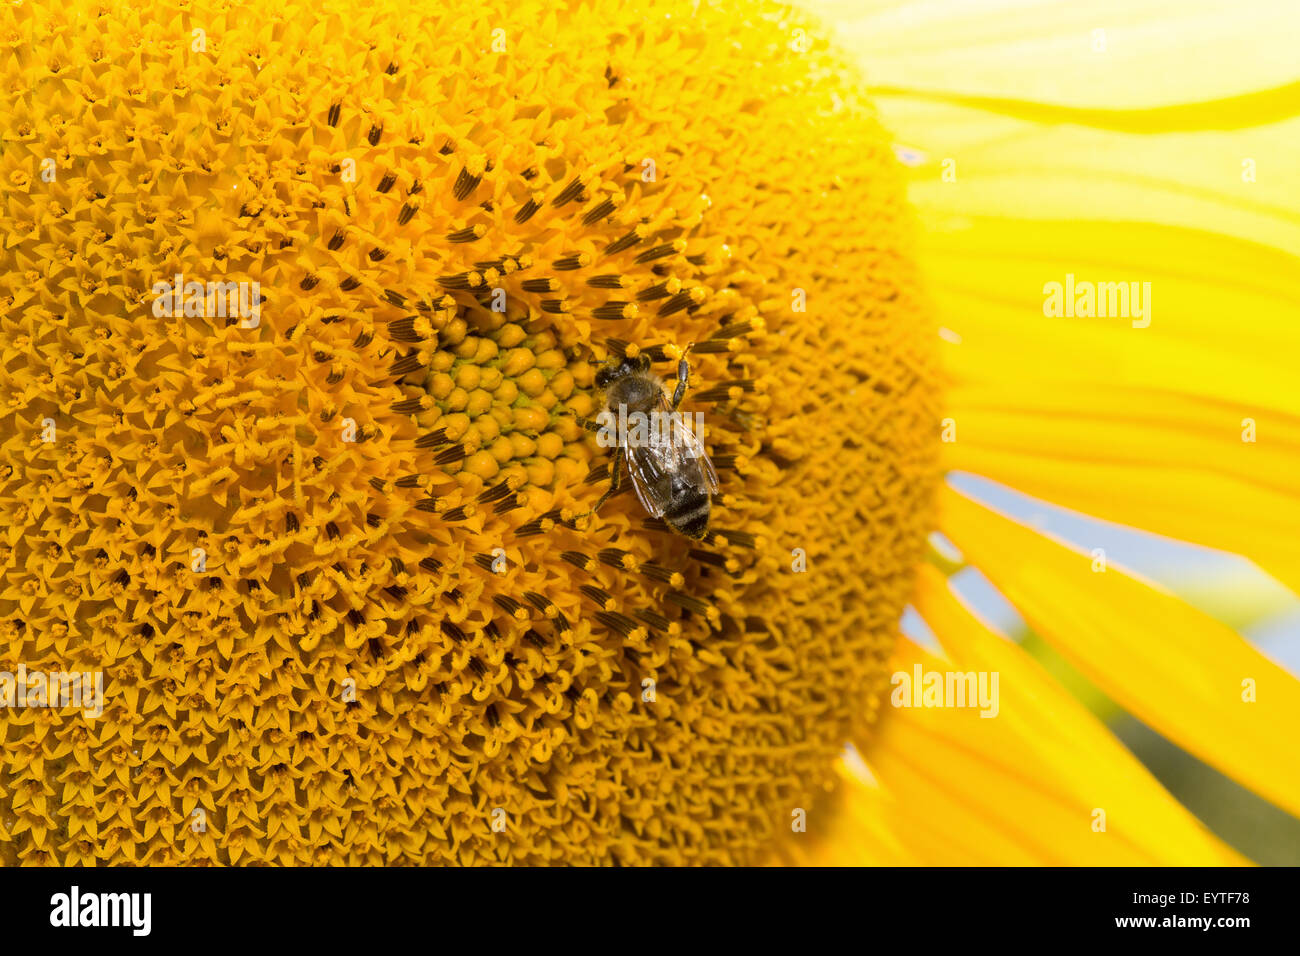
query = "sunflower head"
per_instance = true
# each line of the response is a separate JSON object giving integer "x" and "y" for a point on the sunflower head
{"x": 325, "y": 546}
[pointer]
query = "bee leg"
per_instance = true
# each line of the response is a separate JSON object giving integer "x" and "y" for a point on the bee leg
{"x": 613, "y": 483}
{"x": 683, "y": 377}
{"x": 613, "y": 487}
{"x": 587, "y": 423}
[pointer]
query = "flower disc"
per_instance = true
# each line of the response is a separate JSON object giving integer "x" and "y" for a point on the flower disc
{"x": 300, "y": 304}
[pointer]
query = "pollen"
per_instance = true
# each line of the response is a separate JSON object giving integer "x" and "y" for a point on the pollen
{"x": 297, "y": 336}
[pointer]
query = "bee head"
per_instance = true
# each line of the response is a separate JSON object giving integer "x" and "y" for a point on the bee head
{"x": 614, "y": 371}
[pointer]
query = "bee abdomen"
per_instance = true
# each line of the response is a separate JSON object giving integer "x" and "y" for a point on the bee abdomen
{"x": 689, "y": 513}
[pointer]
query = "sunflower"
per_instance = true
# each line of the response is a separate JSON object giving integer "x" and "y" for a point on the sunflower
{"x": 302, "y": 313}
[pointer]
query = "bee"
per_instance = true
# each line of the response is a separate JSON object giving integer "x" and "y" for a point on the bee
{"x": 671, "y": 473}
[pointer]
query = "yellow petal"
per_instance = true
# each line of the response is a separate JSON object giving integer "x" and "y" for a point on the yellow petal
{"x": 967, "y": 163}
{"x": 1152, "y": 52}
{"x": 1128, "y": 426}
{"x": 1137, "y": 425}
{"x": 1182, "y": 673}
{"x": 959, "y": 789}
{"x": 989, "y": 278}
{"x": 1165, "y": 500}
{"x": 1066, "y": 743}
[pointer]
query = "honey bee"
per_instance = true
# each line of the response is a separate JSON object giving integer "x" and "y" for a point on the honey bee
{"x": 671, "y": 471}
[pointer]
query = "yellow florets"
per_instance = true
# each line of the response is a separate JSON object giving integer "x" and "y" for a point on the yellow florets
{"x": 324, "y": 549}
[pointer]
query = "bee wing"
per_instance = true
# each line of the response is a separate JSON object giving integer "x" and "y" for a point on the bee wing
{"x": 693, "y": 448}
{"x": 659, "y": 464}
{"x": 649, "y": 468}
{"x": 689, "y": 446}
